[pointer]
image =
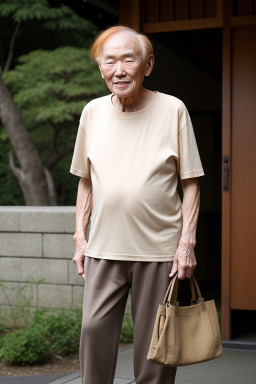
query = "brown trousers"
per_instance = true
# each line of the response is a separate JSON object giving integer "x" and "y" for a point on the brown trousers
{"x": 107, "y": 284}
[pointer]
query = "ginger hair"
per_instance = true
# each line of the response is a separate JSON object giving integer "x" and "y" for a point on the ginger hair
{"x": 144, "y": 42}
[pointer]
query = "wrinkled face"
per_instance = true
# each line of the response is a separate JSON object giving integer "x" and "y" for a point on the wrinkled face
{"x": 122, "y": 66}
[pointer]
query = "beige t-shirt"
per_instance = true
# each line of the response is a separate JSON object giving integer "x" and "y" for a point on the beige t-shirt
{"x": 133, "y": 160}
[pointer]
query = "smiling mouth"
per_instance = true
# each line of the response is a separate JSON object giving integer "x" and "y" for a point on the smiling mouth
{"x": 122, "y": 82}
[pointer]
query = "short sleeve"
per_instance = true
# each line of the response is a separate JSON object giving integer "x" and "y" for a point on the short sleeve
{"x": 80, "y": 163}
{"x": 189, "y": 162}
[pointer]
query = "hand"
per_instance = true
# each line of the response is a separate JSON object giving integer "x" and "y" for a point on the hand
{"x": 78, "y": 258}
{"x": 184, "y": 261}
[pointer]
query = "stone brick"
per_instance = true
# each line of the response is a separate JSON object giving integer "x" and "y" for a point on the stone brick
{"x": 38, "y": 219}
{"x": 34, "y": 270}
{"x": 18, "y": 294}
{"x": 78, "y": 295}
{"x": 48, "y": 220}
{"x": 55, "y": 296}
{"x": 21, "y": 244}
{"x": 73, "y": 277}
{"x": 9, "y": 219}
{"x": 58, "y": 246}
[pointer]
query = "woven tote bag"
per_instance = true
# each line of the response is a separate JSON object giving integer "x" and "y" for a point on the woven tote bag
{"x": 185, "y": 335}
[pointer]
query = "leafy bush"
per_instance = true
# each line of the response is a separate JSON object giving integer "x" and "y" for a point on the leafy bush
{"x": 62, "y": 330}
{"x": 127, "y": 330}
{"x": 3, "y": 329}
{"x": 57, "y": 332}
{"x": 28, "y": 346}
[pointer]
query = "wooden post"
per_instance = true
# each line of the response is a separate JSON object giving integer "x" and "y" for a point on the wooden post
{"x": 129, "y": 14}
{"x": 226, "y": 194}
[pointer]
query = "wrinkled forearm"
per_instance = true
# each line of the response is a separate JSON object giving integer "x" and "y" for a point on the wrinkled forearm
{"x": 83, "y": 210}
{"x": 190, "y": 213}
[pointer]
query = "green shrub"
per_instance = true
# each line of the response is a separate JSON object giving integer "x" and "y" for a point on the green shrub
{"x": 127, "y": 330}
{"x": 28, "y": 346}
{"x": 62, "y": 330}
{"x": 3, "y": 329}
{"x": 64, "y": 333}
{"x": 57, "y": 332}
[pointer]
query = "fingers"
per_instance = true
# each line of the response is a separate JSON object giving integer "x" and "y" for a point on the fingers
{"x": 78, "y": 260}
{"x": 181, "y": 273}
{"x": 184, "y": 270}
{"x": 80, "y": 272}
{"x": 174, "y": 267}
{"x": 190, "y": 273}
{"x": 79, "y": 266}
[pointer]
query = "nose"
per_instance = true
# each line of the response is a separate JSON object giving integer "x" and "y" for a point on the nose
{"x": 119, "y": 70}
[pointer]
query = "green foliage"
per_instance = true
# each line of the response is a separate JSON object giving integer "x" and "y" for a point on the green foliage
{"x": 60, "y": 17}
{"x": 28, "y": 346}
{"x": 51, "y": 87}
{"x": 65, "y": 183}
{"x": 127, "y": 327}
{"x": 3, "y": 330}
{"x": 127, "y": 331}
{"x": 62, "y": 330}
{"x": 56, "y": 332}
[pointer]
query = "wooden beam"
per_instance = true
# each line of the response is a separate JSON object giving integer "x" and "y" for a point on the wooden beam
{"x": 238, "y": 21}
{"x": 226, "y": 195}
{"x": 182, "y": 25}
{"x": 125, "y": 13}
{"x": 136, "y": 15}
{"x": 220, "y": 10}
{"x": 129, "y": 13}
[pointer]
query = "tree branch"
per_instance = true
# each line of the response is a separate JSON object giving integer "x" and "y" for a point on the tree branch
{"x": 57, "y": 156}
{"x": 17, "y": 171}
{"x": 51, "y": 187}
{"x": 30, "y": 173}
{"x": 11, "y": 48}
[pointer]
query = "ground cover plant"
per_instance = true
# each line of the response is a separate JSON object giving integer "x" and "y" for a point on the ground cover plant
{"x": 47, "y": 334}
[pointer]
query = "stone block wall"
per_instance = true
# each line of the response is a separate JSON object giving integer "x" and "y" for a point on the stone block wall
{"x": 36, "y": 250}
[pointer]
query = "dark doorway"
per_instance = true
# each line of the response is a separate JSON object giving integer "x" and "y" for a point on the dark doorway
{"x": 189, "y": 66}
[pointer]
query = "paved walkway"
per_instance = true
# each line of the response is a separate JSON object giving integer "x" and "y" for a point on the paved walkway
{"x": 233, "y": 367}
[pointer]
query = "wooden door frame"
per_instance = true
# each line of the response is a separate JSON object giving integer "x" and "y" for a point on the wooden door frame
{"x": 229, "y": 23}
{"x": 131, "y": 14}
{"x": 226, "y": 194}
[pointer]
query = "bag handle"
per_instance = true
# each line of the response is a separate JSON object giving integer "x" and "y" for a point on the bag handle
{"x": 171, "y": 293}
{"x": 165, "y": 302}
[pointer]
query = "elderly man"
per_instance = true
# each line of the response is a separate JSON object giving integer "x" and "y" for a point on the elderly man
{"x": 130, "y": 149}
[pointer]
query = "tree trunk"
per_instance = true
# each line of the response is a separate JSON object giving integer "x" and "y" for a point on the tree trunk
{"x": 31, "y": 174}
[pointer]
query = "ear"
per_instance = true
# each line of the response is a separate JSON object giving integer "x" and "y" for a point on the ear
{"x": 150, "y": 64}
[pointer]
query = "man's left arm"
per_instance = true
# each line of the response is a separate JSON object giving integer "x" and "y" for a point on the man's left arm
{"x": 184, "y": 259}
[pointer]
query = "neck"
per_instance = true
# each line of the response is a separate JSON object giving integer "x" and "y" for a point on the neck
{"x": 134, "y": 102}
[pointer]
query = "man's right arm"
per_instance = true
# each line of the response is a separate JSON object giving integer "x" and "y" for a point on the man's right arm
{"x": 83, "y": 212}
